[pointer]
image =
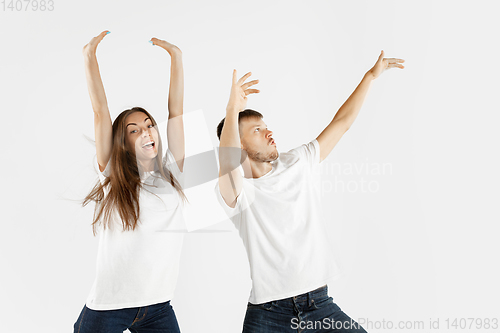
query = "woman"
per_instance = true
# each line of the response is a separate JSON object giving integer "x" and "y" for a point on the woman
{"x": 138, "y": 207}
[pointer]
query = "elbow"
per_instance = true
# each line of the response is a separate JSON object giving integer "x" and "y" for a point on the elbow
{"x": 228, "y": 166}
{"x": 345, "y": 125}
{"x": 342, "y": 124}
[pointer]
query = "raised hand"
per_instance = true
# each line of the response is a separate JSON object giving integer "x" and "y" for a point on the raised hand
{"x": 91, "y": 47}
{"x": 385, "y": 63}
{"x": 170, "y": 48}
{"x": 239, "y": 91}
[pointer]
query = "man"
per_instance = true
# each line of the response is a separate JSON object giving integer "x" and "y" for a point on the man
{"x": 275, "y": 207}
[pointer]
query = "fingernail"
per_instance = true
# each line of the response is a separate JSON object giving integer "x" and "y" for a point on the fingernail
{"x": 108, "y": 32}
{"x": 151, "y": 42}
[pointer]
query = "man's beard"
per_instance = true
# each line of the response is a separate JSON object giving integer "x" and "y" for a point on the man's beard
{"x": 257, "y": 156}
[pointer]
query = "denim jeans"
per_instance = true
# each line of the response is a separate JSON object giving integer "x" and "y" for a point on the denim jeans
{"x": 310, "y": 312}
{"x": 152, "y": 318}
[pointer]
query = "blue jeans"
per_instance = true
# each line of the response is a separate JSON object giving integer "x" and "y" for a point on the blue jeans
{"x": 310, "y": 312}
{"x": 152, "y": 318}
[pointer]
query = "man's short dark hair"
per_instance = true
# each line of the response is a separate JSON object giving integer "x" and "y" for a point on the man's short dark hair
{"x": 247, "y": 113}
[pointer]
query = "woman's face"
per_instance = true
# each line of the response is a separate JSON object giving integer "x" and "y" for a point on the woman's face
{"x": 141, "y": 136}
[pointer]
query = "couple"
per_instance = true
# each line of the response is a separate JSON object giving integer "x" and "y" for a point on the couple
{"x": 139, "y": 194}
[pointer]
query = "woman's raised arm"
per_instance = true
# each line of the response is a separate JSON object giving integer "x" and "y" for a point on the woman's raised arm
{"x": 102, "y": 119}
{"x": 175, "y": 123}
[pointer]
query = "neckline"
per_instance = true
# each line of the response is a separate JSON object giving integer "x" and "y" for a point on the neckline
{"x": 146, "y": 174}
{"x": 273, "y": 163}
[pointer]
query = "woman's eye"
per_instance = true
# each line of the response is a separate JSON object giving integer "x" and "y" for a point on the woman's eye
{"x": 133, "y": 131}
{"x": 150, "y": 126}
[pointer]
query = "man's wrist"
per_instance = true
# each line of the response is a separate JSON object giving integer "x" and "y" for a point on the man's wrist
{"x": 369, "y": 76}
{"x": 231, "y": 109}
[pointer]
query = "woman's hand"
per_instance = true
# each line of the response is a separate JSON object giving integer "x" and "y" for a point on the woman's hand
{"x": 170, "y": 48}
{"x": 91, "y": 47}
{"x": 384, "y": 63}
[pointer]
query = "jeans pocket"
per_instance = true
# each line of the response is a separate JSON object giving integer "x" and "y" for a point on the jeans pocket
{"x": 265, "y": 306}
{"x": 321, "y": 302}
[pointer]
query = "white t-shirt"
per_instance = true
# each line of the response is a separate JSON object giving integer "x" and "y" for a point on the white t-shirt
{"x": 280, "y": 222}
{"x": 139, "y": 268}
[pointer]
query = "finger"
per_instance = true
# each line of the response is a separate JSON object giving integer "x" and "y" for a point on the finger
{"x": 381, "y": 56}
{"x": 392, "y": 65}
{"x": 244, "y": 77}
{"x": 157, "y": 41}
{"x": 101, "y": 35}
{"x": 248, "y": 84}
{"x": 251, "y": 91}
{"x": 392, "y": 60}
{"x": 234, "y": 76}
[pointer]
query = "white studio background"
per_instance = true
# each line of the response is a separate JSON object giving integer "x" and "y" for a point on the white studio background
{"x": 410, "y": 193}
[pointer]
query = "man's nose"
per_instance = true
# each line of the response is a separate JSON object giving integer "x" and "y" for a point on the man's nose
{"x": 269, "y": 133}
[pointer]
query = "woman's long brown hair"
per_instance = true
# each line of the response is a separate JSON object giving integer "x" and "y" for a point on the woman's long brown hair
{"x": 124, "y": 180}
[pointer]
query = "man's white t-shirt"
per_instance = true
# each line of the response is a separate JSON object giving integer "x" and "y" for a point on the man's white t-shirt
{"x": 140, "y": 267}
{"x": 279, "y": 219}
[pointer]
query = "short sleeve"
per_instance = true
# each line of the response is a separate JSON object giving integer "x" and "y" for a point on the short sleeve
{"x": 308, "y": 153}
{"x": 233, "y": 213}
{"x": 169, "y": 160}
{"x": 105, "y": 173}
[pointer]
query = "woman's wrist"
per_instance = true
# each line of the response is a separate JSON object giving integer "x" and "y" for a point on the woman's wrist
{"x": 175, "y": 52}
{"x": 89, "y": 55}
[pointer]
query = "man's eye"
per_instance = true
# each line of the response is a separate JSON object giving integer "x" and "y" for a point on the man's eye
{"x": 256, "y": 129}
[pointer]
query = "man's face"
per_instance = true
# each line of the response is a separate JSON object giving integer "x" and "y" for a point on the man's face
{"x": 257, "y": 140}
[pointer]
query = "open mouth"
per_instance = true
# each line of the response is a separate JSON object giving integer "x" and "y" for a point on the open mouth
{"x": 148, "y": 145}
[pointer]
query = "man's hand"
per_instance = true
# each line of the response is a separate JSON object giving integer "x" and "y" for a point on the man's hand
{"x": 349, "y": 110}
{"x": 239, "y": 91}
{"x": 384, "y": 63}
{"x": 170, "y": 48}
{"x": 91, "y": 47}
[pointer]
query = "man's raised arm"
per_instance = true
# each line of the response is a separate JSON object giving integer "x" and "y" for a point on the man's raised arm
{"x": 230, "y": 178}
{"x": 348, "y": 112}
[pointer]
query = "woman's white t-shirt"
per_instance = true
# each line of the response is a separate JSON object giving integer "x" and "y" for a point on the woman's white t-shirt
{"x": 139, "y": 268}
{"x": 279, "y": 219}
